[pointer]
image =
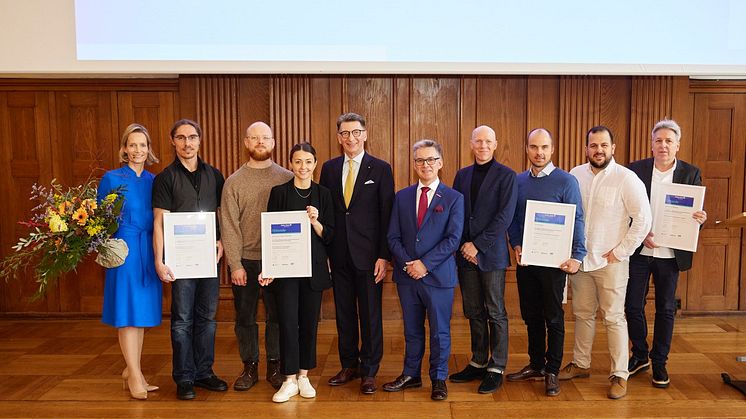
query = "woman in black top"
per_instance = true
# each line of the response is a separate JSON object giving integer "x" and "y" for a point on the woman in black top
{"x": 299, "y": 299}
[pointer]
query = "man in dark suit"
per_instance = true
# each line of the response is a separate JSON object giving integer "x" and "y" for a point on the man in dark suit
{"x": 426, "y": 224}
{"x": 662, "y": 262}
{"x": 489, "y": 200}
{"x": 362, "y": 189}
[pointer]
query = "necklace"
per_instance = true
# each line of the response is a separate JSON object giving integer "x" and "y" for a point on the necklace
{"x": 298, "y": 192}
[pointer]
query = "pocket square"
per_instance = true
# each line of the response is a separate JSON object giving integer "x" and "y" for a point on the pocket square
{"x": 439, "y": 209}
{"x": 369, "y": 182}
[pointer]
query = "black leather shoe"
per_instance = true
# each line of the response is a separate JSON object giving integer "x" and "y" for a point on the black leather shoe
{"x": 248, "y": 377}
{"x": 551, "y": 384}
{"x": 344, "y": 376}
{"x": 491, "y": 382}
{"x": 637, "y": 366}
{"x": 212, "y": 383}
{"x": 440, "y": 391}
{"x": 527, "y": 373}
{"x": 402, "y": 382}
{"x": 185, "y": 391}
{"x": 469, "y": 373}
{"x": 368, "y": 385}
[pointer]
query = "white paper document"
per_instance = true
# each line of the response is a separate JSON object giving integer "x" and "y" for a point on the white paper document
{"x": 286, "y": 244}
{"x": 547, "y": 233}
{"x": 673, "y": 205}
{"x": 189, "y": 244}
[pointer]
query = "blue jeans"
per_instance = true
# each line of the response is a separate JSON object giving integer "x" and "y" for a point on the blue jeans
{"x": 194, "y": 303}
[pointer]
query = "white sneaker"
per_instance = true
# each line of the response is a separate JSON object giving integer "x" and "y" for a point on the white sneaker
{"x": 288, "y": 390}
{"x": 306, "y": 389}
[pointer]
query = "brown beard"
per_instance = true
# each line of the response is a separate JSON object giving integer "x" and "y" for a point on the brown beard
{"x": 260, "y": 156}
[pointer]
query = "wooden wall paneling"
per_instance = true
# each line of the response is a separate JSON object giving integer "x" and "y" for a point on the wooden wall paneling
{"x": 614, "y": 105}
{"x": 467, "y": 118}
{"x": 26, "y": 152}
{"x": 501, "y": 104}
{"x": 322, "y": 118}
{"x": 719, "y": 150}
{"x": 372, "y": 97}
{"x": 155, "y": 111}
{"x": 290, "y": 112}
{"x": 253, "y": 106}
{"x": 542, "y": 108}
{"x": 401, "y": 162}
{"x": 652, "y": 99}
{"x": 578, "y": 112}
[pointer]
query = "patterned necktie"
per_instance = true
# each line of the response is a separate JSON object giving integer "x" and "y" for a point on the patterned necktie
{"x": 422, "y": 207}
{"x": 349, "y": 183}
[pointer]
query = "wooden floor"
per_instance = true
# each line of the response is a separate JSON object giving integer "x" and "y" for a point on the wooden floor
{"x": 70, "y": 368}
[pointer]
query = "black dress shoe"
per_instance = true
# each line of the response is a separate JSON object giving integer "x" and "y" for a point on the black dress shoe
{"x": 368, "y": 385}
{"x": 185, "y": 391}
{"x": 212, "y": 383}
{"x": 440, "y": 391}
{"x": 402, "y": 382}
{"x": 491, "y": 382}
{"x": 469, "y": 373}
{"x": 527, "y": 373}
{"x": 344, "y": 376}
{"x": 551, "y": 384}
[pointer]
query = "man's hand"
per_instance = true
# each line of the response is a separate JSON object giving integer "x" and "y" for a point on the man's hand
{"x": 416, "y": 269}
{"x": 570, "y": 266}
{"x": 379, "y": 271}
{"x": 518, "y": 253}
{"x": 648, "y": 242}
{"x": 700, "y": 217}
{"x": 164, "y": 272}
{"x": 219, "y": 245}
{"x": 469, "y": 252}
{"x": 238, "y": 277}
{"x": 610, "y": 258}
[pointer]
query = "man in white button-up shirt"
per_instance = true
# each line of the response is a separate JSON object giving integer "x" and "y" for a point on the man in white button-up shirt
{"x": 617, "y": 219}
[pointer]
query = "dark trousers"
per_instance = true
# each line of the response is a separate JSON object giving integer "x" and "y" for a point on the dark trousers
{"x": 540, "y": 292}
{"x": 665, "y": 277}
{"x": 298, "y": 313}
{"x": 417, "y": 301}
{"x": 357, "y": 299}
{"x": 483, "y": 296}
{"x": 194, "y": 303}
{"x": 245, "y": 300}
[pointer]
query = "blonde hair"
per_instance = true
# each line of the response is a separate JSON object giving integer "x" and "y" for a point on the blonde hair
{"x": 132, "y": 128}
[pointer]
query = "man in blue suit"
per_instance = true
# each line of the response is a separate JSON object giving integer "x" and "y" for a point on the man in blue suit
{"x": 489, "y": 199}
{"x": 425, "y": 230}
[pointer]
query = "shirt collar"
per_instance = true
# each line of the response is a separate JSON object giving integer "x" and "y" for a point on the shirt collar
{"x": 433, "y": 186}
{"x": 544, "y": 172}
{"x": 180, "y": 165}
{"x": 357, "y": 159}
{"x": 671, "y": 170}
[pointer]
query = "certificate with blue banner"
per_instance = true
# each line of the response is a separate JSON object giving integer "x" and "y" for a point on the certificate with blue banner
{"x": 547, "y": 233}
{"x": 189, "y": 244}
{"x": 673, "y": 205}
{"x": 286, "y": 244}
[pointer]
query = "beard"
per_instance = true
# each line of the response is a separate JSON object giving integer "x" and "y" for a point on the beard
{"x": 601, "y": 165}
{"x": 260, "y": 155}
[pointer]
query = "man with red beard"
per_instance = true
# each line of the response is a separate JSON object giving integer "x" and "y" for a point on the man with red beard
{"x": 245, "y": 196}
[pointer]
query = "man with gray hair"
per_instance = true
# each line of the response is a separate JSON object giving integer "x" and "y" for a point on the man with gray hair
{"x": 662, "y": 262}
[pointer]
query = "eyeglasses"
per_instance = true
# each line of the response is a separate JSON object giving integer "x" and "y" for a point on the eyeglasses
{"x": 255, "y": 138}
{"x": 355, "y": 133}
{"x": 430, "y": 161}
{"x": 192, "y": 138}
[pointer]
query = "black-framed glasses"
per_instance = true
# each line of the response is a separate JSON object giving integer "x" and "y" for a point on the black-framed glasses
{"x": 430, "y": 161}
{"x": 355, "y": 133}
{"x": 191, "y": 138}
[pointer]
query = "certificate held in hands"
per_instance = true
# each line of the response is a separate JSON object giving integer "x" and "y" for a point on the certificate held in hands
{"x": 673, "y": 205}
{"x": 547, "y": 233}
{"x": 286, "y": 244}
{"x": 189, "y": 244}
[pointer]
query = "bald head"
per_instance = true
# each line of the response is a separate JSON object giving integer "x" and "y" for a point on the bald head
{"x": 483, "y": 144}
{"x": 539, "y": 133}
{"x": 259, "y": 141}
{"x": 539, "y": 148}
{"x": 258, "y": 128}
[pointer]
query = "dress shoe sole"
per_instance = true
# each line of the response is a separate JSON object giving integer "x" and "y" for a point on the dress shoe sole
{"x": 639, "y": 369}
{"x": 552, "y": 394}
{"x": 661, "y": 385}
{"x": 406, "y": 386}
{"x": 487, "y": 390}
{"x": 209, "y": 388}
{"x": 531, "y": 378}
{"x": 242, "y": 388}
{"x": 438, "y": 399}
{"x": 186, "y": 397}
{"x": 367, "y": 392}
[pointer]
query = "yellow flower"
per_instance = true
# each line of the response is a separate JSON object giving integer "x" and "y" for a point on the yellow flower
{"x": 81, "y": 216}
{"x": 64, "y": 207}
{"x": 90, "y": 204}
{"x": 56, "y": 224}
{"x": 93, "y": 230}
{"x": 110, "y": 198}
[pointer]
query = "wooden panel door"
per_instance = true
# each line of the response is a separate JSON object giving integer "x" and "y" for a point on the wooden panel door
{"x": 25, "y": 152}
{"x": 719, "y": 150}
{"x": 153, "y": 110}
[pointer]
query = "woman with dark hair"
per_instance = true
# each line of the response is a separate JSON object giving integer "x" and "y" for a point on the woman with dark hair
{"x": 299, "y": 299}
{"x": 132, "y": 291}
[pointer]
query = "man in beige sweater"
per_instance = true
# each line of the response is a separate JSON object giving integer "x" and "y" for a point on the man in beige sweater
{"x": 245, "y": 196}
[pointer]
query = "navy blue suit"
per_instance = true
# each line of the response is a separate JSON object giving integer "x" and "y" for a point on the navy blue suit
{"x": 434, "y": 243}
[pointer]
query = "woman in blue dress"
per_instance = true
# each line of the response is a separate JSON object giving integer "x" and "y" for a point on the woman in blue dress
{"x": 132, "y": 292}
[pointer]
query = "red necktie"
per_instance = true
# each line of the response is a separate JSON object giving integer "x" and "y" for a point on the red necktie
{"x": 422, "y": 207}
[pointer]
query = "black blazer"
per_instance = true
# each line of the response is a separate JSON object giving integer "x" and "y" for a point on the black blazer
{"x": 363, "y": 226}
{"x": 686, "y": 174}
{"x": 321, "y": 198}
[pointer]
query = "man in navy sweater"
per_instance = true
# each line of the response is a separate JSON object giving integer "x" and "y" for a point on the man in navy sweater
{"x": 540, "y": 289}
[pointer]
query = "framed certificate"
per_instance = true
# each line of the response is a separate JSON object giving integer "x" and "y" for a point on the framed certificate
{"x": 547, "y": 233}
{"x": 286, "y": 244}
{"x": 189, "y": 244}
{"x": 673, "y": 205}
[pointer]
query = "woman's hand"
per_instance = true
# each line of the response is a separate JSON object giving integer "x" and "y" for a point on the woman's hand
{"x": 313, "y": 214}
{"x": 264, "y": 281}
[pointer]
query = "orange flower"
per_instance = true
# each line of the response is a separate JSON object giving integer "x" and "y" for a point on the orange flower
{"x": 81, "y": 216}
{"x": 64, "y": 207}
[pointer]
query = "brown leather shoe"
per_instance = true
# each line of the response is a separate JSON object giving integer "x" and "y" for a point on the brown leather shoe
{"x": 551, "y": 384}
{"x": 274, "y": 376}
{"x": 368, "y": 385}
{"x": 344, "y": 376}
{"x": 527, "y": 373}
{"x": 248, "y": 377}
{"x": 402, "y": 382}
{"x": 440, "y": 391}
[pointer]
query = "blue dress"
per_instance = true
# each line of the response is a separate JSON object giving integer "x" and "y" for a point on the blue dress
{"x": 133, "y": 292}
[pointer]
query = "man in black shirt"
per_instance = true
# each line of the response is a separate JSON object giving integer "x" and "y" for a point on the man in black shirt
{"x": 189, "y": 185}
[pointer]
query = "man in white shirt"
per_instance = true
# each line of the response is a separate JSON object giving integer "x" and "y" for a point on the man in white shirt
{"x": 662, "y": 262}
{"x": 617, "y": 219}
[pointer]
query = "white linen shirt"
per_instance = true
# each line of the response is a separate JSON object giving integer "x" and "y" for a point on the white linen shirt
{"x": 655, "y": 182}
{"x": 611, "y": 198}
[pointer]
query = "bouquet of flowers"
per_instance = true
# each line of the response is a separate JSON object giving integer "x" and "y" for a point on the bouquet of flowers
{"x": 66, "y": 226}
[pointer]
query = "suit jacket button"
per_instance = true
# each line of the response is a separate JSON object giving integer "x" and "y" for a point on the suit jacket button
{"x": 418, "y": 239}
{"x": 347, "y": 213}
